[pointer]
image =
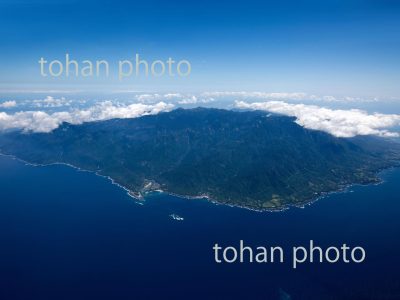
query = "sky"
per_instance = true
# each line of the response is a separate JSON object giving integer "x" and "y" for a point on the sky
{"x": 331, "y": 65}
{"x": 336, "y": 48}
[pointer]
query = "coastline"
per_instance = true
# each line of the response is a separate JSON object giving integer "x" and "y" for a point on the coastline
{"x": 139, "y": 198}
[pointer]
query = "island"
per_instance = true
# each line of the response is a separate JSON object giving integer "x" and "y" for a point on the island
{"x": 250, "y": 159}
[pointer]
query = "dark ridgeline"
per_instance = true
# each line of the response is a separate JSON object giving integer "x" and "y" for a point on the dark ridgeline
{"x": 241, "y": 158}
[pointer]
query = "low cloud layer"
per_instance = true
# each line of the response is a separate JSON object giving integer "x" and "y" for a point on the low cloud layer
{"x": 8, "y": 104}
{"x": 178, "y": 98}
{"x": 51, "y": 102}
{"x": 39, "y": 121}
{"x": 206, "y": 97}
{"x": 340, "y": 123}
{"x": 285, "y": 96}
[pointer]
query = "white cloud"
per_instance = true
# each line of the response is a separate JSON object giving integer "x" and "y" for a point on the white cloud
{"x": 8, "y": 104}
{"x": 189, "y": 100}
{"x": 286, "y": 96}
{"x": 196, "y": 100}
{"x": 39, "y": 121}
{"x": 207, "y": 97}
{"x": 50, "y": 101}
{"x": 152, "y": 98}
{"x": 178, "y": 98}
{"x": 261, "y": 95}
{"x": 340, "y": 123}
{"x": 173, "y": 96}
{"x": 148, "y": 98}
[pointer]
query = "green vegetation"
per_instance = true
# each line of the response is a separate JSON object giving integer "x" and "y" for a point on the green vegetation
{"x": 240, "y": 158}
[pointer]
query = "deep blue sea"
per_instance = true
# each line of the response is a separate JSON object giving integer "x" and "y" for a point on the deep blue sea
{"x": 68, "y": 234}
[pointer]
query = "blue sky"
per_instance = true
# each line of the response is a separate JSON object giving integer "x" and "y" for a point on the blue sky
{"x": 318, "y": 47}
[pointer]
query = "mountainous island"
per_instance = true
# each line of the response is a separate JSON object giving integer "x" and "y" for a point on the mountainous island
{"x": 244, "y": 158}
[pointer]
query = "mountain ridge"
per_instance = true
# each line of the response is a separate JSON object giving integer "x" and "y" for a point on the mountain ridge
{"x": 245, "y": 158}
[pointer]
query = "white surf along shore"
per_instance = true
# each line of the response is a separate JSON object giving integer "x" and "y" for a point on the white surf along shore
{"x": 140, "y": 198}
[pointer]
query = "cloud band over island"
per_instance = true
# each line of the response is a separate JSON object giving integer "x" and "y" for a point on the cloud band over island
{"x": 338, "y": 122}
{"x": 40, "y": 121}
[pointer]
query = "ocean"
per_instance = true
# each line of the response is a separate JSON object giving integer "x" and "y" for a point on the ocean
{"x": 69, "y": 234}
